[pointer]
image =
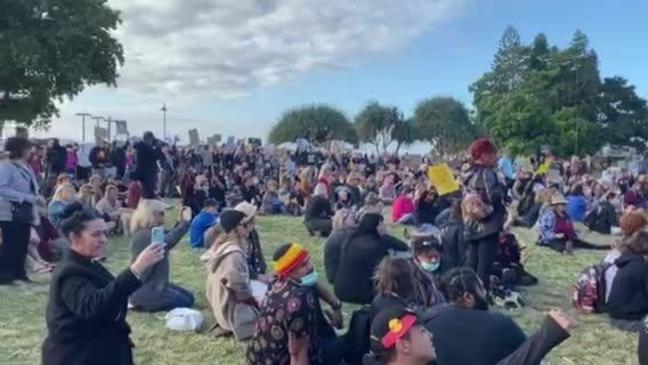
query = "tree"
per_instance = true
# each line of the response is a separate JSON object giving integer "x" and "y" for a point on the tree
{"x": 381, "y": 126}
{"x": 316, "y": 123}
{"x": 403, "y": 134}
{"x": 538, "y": 94}
{"x": 622, "y": 115}
{"x": 53, "y": 49}
{"x": 444, "y": 122}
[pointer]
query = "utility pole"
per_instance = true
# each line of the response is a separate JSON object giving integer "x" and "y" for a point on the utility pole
{"x": 164, "y": 111}
{"x": 109, "y": 121}
{"x": 97, "y": 119}
{"x": 83, "y": 117}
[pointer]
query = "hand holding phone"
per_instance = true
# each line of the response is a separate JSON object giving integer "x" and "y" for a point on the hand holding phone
{"x": 157, "y": 236}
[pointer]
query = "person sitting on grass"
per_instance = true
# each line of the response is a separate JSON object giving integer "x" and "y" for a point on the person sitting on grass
{"x": 317, "y": 216}
{"x": 603, "y": 215}
{"x": 207, "y": 218}
{"x": 157, "y": 292}
{"x": 292, "y": 328}
{"x": 426, "y": 268}
{"x": 387, "y": 192}
{"x": 398, "y": 337}
{"x": 467, "y": 318}
{"x": 627, "y": 304}
{"x": 109, "y": 206}
{"x": 344, "y": 223}
{"x": 256, "y": 261}
{"x": 395, "y": 286}
{"x": 576, "y": 204}
{"x": 361, "y": 253}
{"x": 87, "y": 305}
{"x": 631, "y": 222}
{"x": 271, "y": 203}
{"x": 64, "y": 195}
{"x": 228, "y": 288}
{"x": 557, "y": 231}
{"x": 403, "y": 208}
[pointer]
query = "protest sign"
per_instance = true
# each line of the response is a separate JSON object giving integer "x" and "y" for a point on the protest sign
{"x": 442, "y": 179}
{"x": 101, "y": 134}
{"x": 122, "y": 127}
{"x": 194, "y": 140}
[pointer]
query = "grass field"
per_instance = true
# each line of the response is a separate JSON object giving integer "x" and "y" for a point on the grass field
{"x": 22, "y": 308}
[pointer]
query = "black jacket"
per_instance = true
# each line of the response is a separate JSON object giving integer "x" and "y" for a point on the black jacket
{"x": 629, "y": 293}
{"x": 488, "y": 184}
{"x": 473, "y": 337}
{"x": 86, "y": 314}
{"x": 452, "y": 238}
{"x": 98, "y": 157}
{"x": 146, "y": 157}
{"x": 360, "y": 256}
{"x": 333, "y": 252}
{"x": 57, "y": 158}
{"x": 602, "y": 219}
{"x": 318, "y": 207}
{"x": 538, "y": 345}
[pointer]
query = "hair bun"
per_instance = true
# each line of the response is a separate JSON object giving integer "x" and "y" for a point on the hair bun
{"x": 71, "y": 209}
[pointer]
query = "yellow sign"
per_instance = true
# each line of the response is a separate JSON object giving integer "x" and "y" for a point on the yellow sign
{"x": 442, "y": 179}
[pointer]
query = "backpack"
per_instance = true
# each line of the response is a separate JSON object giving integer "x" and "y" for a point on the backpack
{"x": 588, "y": 294}
{"x": 356, "y": 340}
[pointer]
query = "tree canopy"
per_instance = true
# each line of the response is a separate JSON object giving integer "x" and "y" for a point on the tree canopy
{"x": 539, "y": 94}
{"x": 445, "y": 123}
{"x": 317, "y": 123}
{"x": 383, "y": 126}
{"x": 53, "y": 49}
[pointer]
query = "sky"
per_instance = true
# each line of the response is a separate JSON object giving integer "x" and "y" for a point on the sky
{"x": 234, "y": 66}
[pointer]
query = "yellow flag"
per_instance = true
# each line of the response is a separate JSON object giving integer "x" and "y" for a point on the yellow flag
{"x": 442, "y": 179}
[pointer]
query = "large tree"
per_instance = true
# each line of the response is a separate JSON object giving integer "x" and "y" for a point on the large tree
{"x": 53, "y": 49}
{"x": 538, "y": 94}
{"x": 445, "y": 123}
{"x": 316, "y": 123}
{"x": 382, "y": 126}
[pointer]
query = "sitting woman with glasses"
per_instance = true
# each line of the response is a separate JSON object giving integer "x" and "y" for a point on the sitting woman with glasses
{"x": 157, "y": 292}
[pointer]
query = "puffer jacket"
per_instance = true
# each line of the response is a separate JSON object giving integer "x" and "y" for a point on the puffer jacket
{"x": 489, "y": 184}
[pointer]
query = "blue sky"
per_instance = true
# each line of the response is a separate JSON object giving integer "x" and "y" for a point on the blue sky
{"x": 449, "y": 47}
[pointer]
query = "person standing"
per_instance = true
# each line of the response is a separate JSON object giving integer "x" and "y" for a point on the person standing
{"x": 56, "y": 158}
{"x": 18, "y": 199}
{"x": 483, "y": 179}
{"x": 87, "y": 305}
{"x": 146, "y": 169}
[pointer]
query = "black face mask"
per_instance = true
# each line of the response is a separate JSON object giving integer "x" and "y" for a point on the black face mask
{"x": 481, "y": 303}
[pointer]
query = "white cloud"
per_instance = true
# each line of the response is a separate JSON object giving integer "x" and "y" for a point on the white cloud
{"x": 229, "y": 48}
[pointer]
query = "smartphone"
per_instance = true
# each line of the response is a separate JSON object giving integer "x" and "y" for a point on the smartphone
{"x": 157, "y": 236}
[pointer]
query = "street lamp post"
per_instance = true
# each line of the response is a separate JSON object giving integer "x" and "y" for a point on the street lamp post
{"x": 164, "y": 111}
{"x": 83, "y": 116}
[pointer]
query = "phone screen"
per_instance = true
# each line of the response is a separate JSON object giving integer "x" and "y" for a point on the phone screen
{"x": 157, "y": 236}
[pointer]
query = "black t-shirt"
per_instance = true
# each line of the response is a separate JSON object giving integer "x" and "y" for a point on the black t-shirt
{"x": 473, "y": 337}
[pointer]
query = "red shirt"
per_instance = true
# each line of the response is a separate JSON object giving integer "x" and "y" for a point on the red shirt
{"x": 564, "y": 226}
{"x": 402, "y": 206}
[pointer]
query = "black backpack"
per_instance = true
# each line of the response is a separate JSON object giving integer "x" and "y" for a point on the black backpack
{"x": 356, "y": 340}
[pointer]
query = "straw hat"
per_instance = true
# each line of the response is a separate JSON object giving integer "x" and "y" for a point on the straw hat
{"x": 558, "y": 199}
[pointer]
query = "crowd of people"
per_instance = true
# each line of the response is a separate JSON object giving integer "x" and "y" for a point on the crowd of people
{"x": 60, "y": 204}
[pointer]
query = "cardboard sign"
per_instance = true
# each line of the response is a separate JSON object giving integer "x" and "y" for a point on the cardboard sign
{"x": 122, "y": 127}
{"x": 194, "y": 140}
{"x": 412, "y": 161}
{"x": 442, "y": 179}
{"x": 101, "y": 133}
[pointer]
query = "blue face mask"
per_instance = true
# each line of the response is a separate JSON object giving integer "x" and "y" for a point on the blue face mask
{"x": 310, "y": 279}
{"x": 430, "y": 266}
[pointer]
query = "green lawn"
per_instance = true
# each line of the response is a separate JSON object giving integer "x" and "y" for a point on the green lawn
{"x": 22, "y": 308}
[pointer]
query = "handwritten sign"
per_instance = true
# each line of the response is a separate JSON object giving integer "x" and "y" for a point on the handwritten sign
{"x": 193, "y": 137}
{"x": 442, "y": 179}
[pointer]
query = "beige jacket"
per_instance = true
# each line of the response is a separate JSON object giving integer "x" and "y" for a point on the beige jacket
{"x": 228, "y": 290}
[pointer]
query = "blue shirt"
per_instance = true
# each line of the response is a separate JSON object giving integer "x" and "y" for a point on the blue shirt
{"x": 199, "y": 225}
{"x": 576, "y": 207}
{"x": 507, "y": 166}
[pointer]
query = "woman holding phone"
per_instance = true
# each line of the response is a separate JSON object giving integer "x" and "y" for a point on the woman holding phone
{"x": 86, "y": 311}
{"x": 157, "y": 292}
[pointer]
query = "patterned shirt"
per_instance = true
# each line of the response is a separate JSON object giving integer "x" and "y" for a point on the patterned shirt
{"x": 287, "y": 308}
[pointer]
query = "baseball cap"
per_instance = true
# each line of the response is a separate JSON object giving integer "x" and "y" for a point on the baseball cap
{"x": 389, "y": 326}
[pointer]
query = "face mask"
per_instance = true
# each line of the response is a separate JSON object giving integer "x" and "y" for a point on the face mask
{"x": 310, "y": 279}
{"x": 431, "y": 266}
